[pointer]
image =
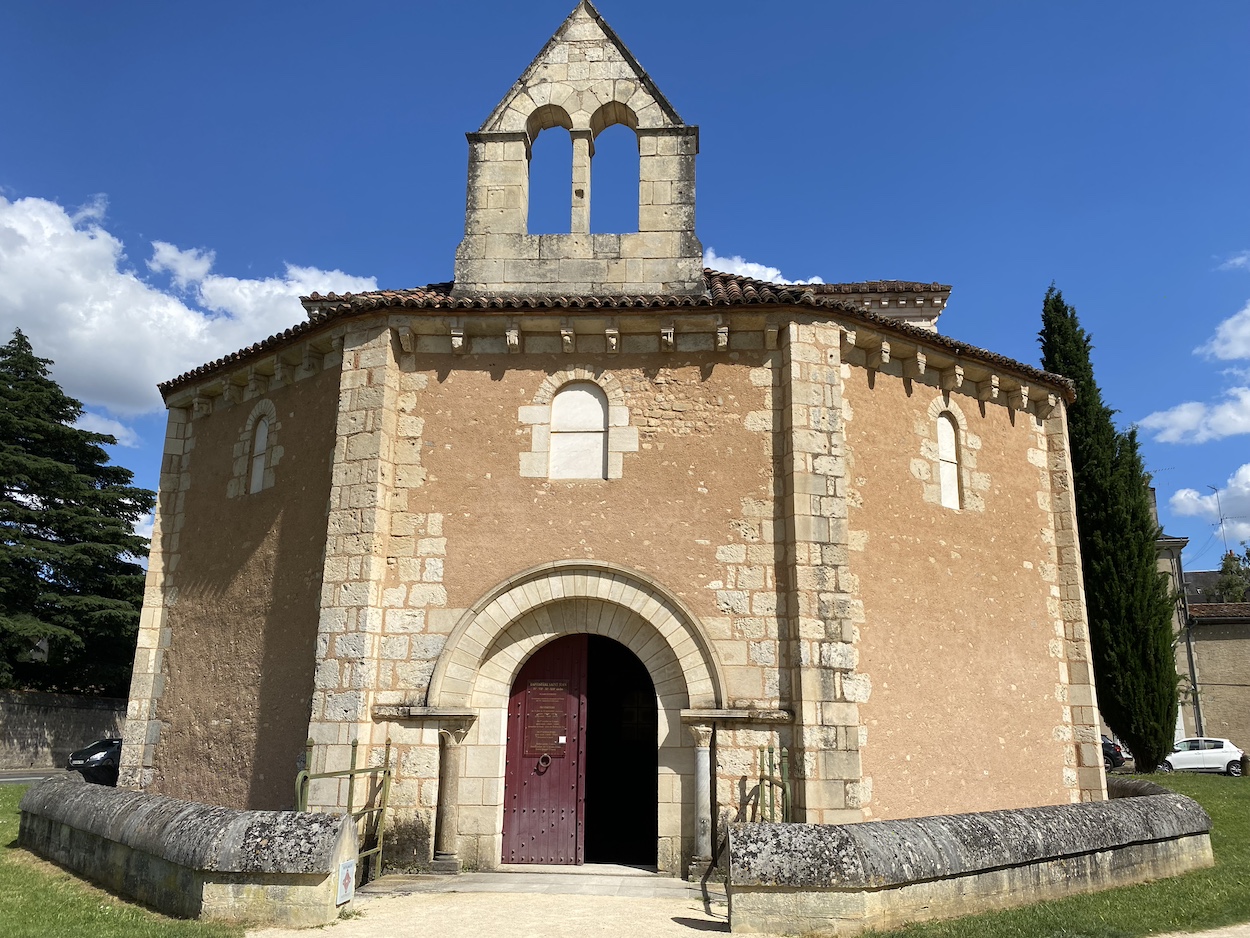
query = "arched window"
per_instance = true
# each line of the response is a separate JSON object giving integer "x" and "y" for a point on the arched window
{"x": 579, "y": 432}
{"x": 260, "y": 450}
{"x": 948, "y": 460}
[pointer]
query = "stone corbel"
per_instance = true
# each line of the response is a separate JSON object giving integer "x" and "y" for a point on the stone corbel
{"x": 513, "y": 337}
{"x": 668, "y": 339}
{"x": 612, "y": 339}
{"x": 1018, "y": 399}
{"x": 201, "y": 405}
{"x": 283, "y": 373}
{"x": 915, "y": 367}
{"x": 1047, "y": 406}
{"x": 257, "y": 384}
{"x": 312, "y": 358}
{"x": 952, "y": 378}
{"x": 568, "y": 340}
{"x": 987, "y": 390}
{"x": 458, "y": 345}
{"x": 771, "y": 333}
{"x": 722, "y": 338}
{"x": 849, "y": 336}
{"x": 230, "y": 392}
{"x": 879, "y": 357}
{"x": 407, "y": 341}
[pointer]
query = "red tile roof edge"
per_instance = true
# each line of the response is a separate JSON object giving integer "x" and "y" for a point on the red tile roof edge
{"x": 1220, "y": 610}
{"x": 723, "y": 290}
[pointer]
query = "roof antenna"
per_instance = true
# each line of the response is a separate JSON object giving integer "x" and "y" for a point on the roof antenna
{"x": 1220, "y": 511}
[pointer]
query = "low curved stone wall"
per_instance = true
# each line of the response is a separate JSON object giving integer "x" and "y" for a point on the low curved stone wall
{"x": 795, "y": 878}
{"x": 192, "y": 860}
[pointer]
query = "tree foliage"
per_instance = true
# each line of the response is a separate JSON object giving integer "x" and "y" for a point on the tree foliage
{"x": 1128, "y": 601}
{"x": 1233, "y": 583}
{"x": 70, "y": 586}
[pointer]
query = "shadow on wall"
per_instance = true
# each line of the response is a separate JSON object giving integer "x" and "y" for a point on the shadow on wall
{"x": 40, "y": 730}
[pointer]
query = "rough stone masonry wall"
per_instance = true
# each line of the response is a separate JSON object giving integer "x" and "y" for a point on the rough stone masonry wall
{"x": 971, "y": 642}
{"x": 823, "y": 609}
{"x": 691, "y": 509}
{"x": 43, "y": 729}
{"x": 223, "y": 671}
{"x": 1222, "y": 659}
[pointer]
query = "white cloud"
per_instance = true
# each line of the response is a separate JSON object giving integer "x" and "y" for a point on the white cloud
{"x": 1232, "y": 338}
{"x": 1237, "y": 262}
{"x": 744, "y": 268}
{"x": 1195, "y": 422}
{"x": 1198, "y": 422}
{"x": 1233, "y": 501}
{"x": 143, "y": 527}
{"x": 186, "y": 266}
{"x": 65, "y": 281}
{"x": 98, "y": 423}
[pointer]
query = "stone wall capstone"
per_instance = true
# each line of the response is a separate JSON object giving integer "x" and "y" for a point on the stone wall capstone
{"x": 190, "y": 859}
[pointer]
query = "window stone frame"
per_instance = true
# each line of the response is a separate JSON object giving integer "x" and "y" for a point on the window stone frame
{"x": 241, "y": 477}
{"x": 622, "y": 438}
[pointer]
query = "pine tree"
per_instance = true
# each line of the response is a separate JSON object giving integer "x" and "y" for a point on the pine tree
{"x": 1127, "y": 599}
{"x": 70, "y": 586}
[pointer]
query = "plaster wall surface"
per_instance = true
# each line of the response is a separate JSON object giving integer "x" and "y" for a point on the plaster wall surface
{"x": 957, "y": 637}
{"x": 1222, "y": 657}
{"x": 689, "y": 507}
{"x": 239, "y": 664}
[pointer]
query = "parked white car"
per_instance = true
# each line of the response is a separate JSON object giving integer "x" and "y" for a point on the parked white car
{"x": 1204, "y": 754}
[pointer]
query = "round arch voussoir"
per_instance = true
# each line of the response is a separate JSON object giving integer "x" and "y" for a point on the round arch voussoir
{"x": 494, "y": 637}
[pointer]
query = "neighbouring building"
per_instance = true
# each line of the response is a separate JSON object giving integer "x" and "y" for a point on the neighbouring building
{"x": 583, "y": 529}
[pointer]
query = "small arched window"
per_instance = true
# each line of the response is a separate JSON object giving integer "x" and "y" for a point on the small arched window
{"x": 579, "y": 432}
{"x": 948, "y": 460}
{"x": 260, "y": 449}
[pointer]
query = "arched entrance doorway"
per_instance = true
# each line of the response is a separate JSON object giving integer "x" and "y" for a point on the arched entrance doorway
{"x": 580, "y": 776}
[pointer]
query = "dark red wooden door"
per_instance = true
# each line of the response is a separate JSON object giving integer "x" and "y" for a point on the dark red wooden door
{"x": 544, "y": 780}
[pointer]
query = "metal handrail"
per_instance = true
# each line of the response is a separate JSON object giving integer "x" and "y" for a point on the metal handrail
{"x": 303, "y": 779}
{"x": 774, "y": 783}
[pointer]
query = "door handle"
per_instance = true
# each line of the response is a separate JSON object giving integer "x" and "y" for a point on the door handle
{"x": 544, "y": 762}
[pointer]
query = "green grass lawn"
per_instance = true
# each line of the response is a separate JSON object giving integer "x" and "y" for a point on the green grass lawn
{"x": 40, "y": 900}
{"x": 1193, "y": 902}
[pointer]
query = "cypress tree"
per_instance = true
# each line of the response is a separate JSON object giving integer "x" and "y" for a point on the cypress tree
{"x": 1127, "y": 599}
{"x": 70, "y": 584}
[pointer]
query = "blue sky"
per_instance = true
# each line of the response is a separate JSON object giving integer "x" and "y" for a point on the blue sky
{"x": 172, "y": 175}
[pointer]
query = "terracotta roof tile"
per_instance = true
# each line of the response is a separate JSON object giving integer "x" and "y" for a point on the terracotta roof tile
{"x": 723, "y": 290}
{"x": 1220, "y": 610}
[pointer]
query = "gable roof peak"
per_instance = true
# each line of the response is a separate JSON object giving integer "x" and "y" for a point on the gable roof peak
{"x": 586, "y": 55}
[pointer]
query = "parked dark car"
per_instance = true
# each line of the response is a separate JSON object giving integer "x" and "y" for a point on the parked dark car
{"x": 98, "y": 762}
{"x": 1112, "y": 754}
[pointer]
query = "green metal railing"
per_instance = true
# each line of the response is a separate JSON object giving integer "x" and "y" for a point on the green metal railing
{"x": 374, "y": 826}
{"x": 774, "y": 785}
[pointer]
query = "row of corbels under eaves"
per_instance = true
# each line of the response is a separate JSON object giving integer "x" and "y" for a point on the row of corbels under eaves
{"x": 568, "y": 336}
{"x": 951, "y": 373}
{"x": 259, "y": 377}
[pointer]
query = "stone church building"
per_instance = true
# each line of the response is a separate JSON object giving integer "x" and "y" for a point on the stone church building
{"x": 583, "y": 529}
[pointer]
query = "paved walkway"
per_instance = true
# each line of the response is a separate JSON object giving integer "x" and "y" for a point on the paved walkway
{"x": 26, "y": 776}
{"x": 537, "y": 902}
{"x": 550, "y": 902}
